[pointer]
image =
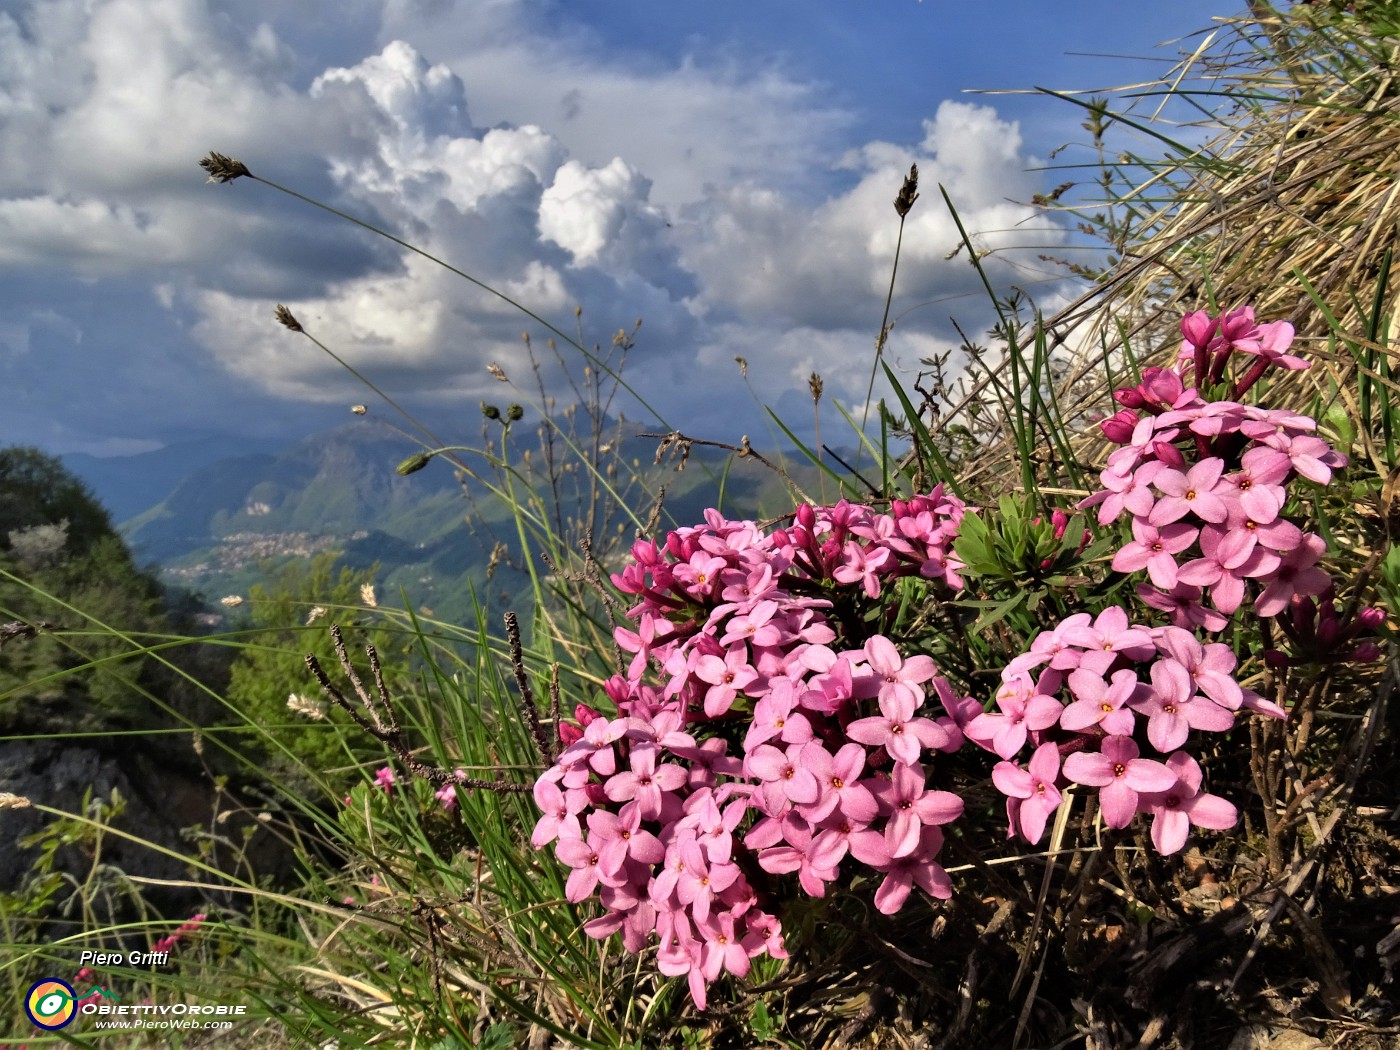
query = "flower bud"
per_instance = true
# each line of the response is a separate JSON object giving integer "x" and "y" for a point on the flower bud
{"x": 1276, "y": 660}
{"x": 1169, "y": 454}
{"x": 1119, "y": 428}
{"x": 569, "y": 734}
{"x": 1197, "y": 328}
{"x": 1366, "y": 653}
{"x": 490, "y": 411}
{"x": 1129, "y": 397}
{"x": 1371, "y": 617}
{"x": 1160, "y": 386}
{"x": 514, "y": 412}
{"x": 584, "y": 715}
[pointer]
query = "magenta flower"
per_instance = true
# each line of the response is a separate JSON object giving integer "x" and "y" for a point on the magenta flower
{"x": 1177, "y": 808}
{"x": 1310, "y": 456}
{"x": 1022, "y": 711}
{"x": 645, "y": 781}
{"x": 1119, "y": 774}
{"x": 727, "y": 676}
{"x": 1183, "y": 603}
{"x": 619, "y": 837}
{"x": 386, "y": 778}
{"x": 775, "y": 716}
{"x": 1210, "y": 667}
{"x": 814, "y": 859}
{"x": 1109, "y": 637}
{"x": 723, "y": 947}
{"x": 902, "y": 738}
{"x": 583, "y": 856}
{"x": 1260, "y": 482}
{"x": 917, "y": 867}
{"x": 862, "y": 566}
{"x": 838, "y": 775}
{"x": 784, "y": 781}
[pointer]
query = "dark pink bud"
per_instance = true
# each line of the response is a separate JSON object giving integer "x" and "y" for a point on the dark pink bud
{"x": 1169, "y": 454}
{"x": 1371, "y": 617}
{"x": 1275, "y": 660}
{"x": 1129, "y": 397}
{"x": 583, "y": 714}
{"x": 1197, "y": 328}
{"x": 806, "y": 516}
{"x": 569, "y": 733}
{"x": 1304, "y": 613}
{"x": 1059, "y": 521}
{"x": 1366, "y": 653}
{"x": 1161, "y": 386}
{"x": 1237, "y": 324}
{"x": 1118, "y": 428}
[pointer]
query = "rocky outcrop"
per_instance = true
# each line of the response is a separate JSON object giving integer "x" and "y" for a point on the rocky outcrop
{"x": 162, "y": 807}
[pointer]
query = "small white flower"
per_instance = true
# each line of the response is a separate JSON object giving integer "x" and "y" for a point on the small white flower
{"x": 232, "y": 601}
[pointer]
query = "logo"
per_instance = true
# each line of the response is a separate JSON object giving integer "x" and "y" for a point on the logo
{"x": 50, "y": 1003}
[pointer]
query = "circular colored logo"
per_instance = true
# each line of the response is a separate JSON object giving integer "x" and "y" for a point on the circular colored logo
{"x": 51, "y": 1003}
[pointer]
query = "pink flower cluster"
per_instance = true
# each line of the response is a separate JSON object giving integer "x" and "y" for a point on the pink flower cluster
{"x": 1205, "y": 481}
{"x": 1089, "y": 692}
{"x": 765, "y": 746}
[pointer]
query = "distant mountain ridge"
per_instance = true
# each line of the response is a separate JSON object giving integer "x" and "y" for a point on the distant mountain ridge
{"x": 228, "y": 518}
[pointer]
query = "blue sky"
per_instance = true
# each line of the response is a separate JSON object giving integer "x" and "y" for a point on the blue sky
{"x": 722, "y": 170}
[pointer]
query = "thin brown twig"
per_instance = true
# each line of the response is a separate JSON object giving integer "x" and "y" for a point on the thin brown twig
{"x": 382, "y": 722}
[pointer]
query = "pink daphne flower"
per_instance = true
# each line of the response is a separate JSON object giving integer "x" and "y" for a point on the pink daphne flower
{"x": 1177, "y": 808}
{"x": 917, "y": 867}
{"x": 1031, "y": 795}
{"x": 1297, "y": 574}
{"x": 1199, "y": 491}
{"x": 1101, "y": 704}
{"x": 900, "y": 679}
{"x": 1119, "y": 774}
{"x": 862, "y": 566}
{"x": 903, "y": 738}
{"x": 912, "y": 807}
{"x": 386, "y": 779}
{"x": 645, "y": 781}
{"x": 1154, "y": 549}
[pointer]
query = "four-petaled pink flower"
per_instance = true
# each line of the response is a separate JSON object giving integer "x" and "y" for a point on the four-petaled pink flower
{"x": 1175, "y": 809}
{"x": 1031, "y": 795}
{"x": 1119, "y": 774}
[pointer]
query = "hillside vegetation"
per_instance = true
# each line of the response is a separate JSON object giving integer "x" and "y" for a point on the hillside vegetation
{"x": 1064, "y": 719}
